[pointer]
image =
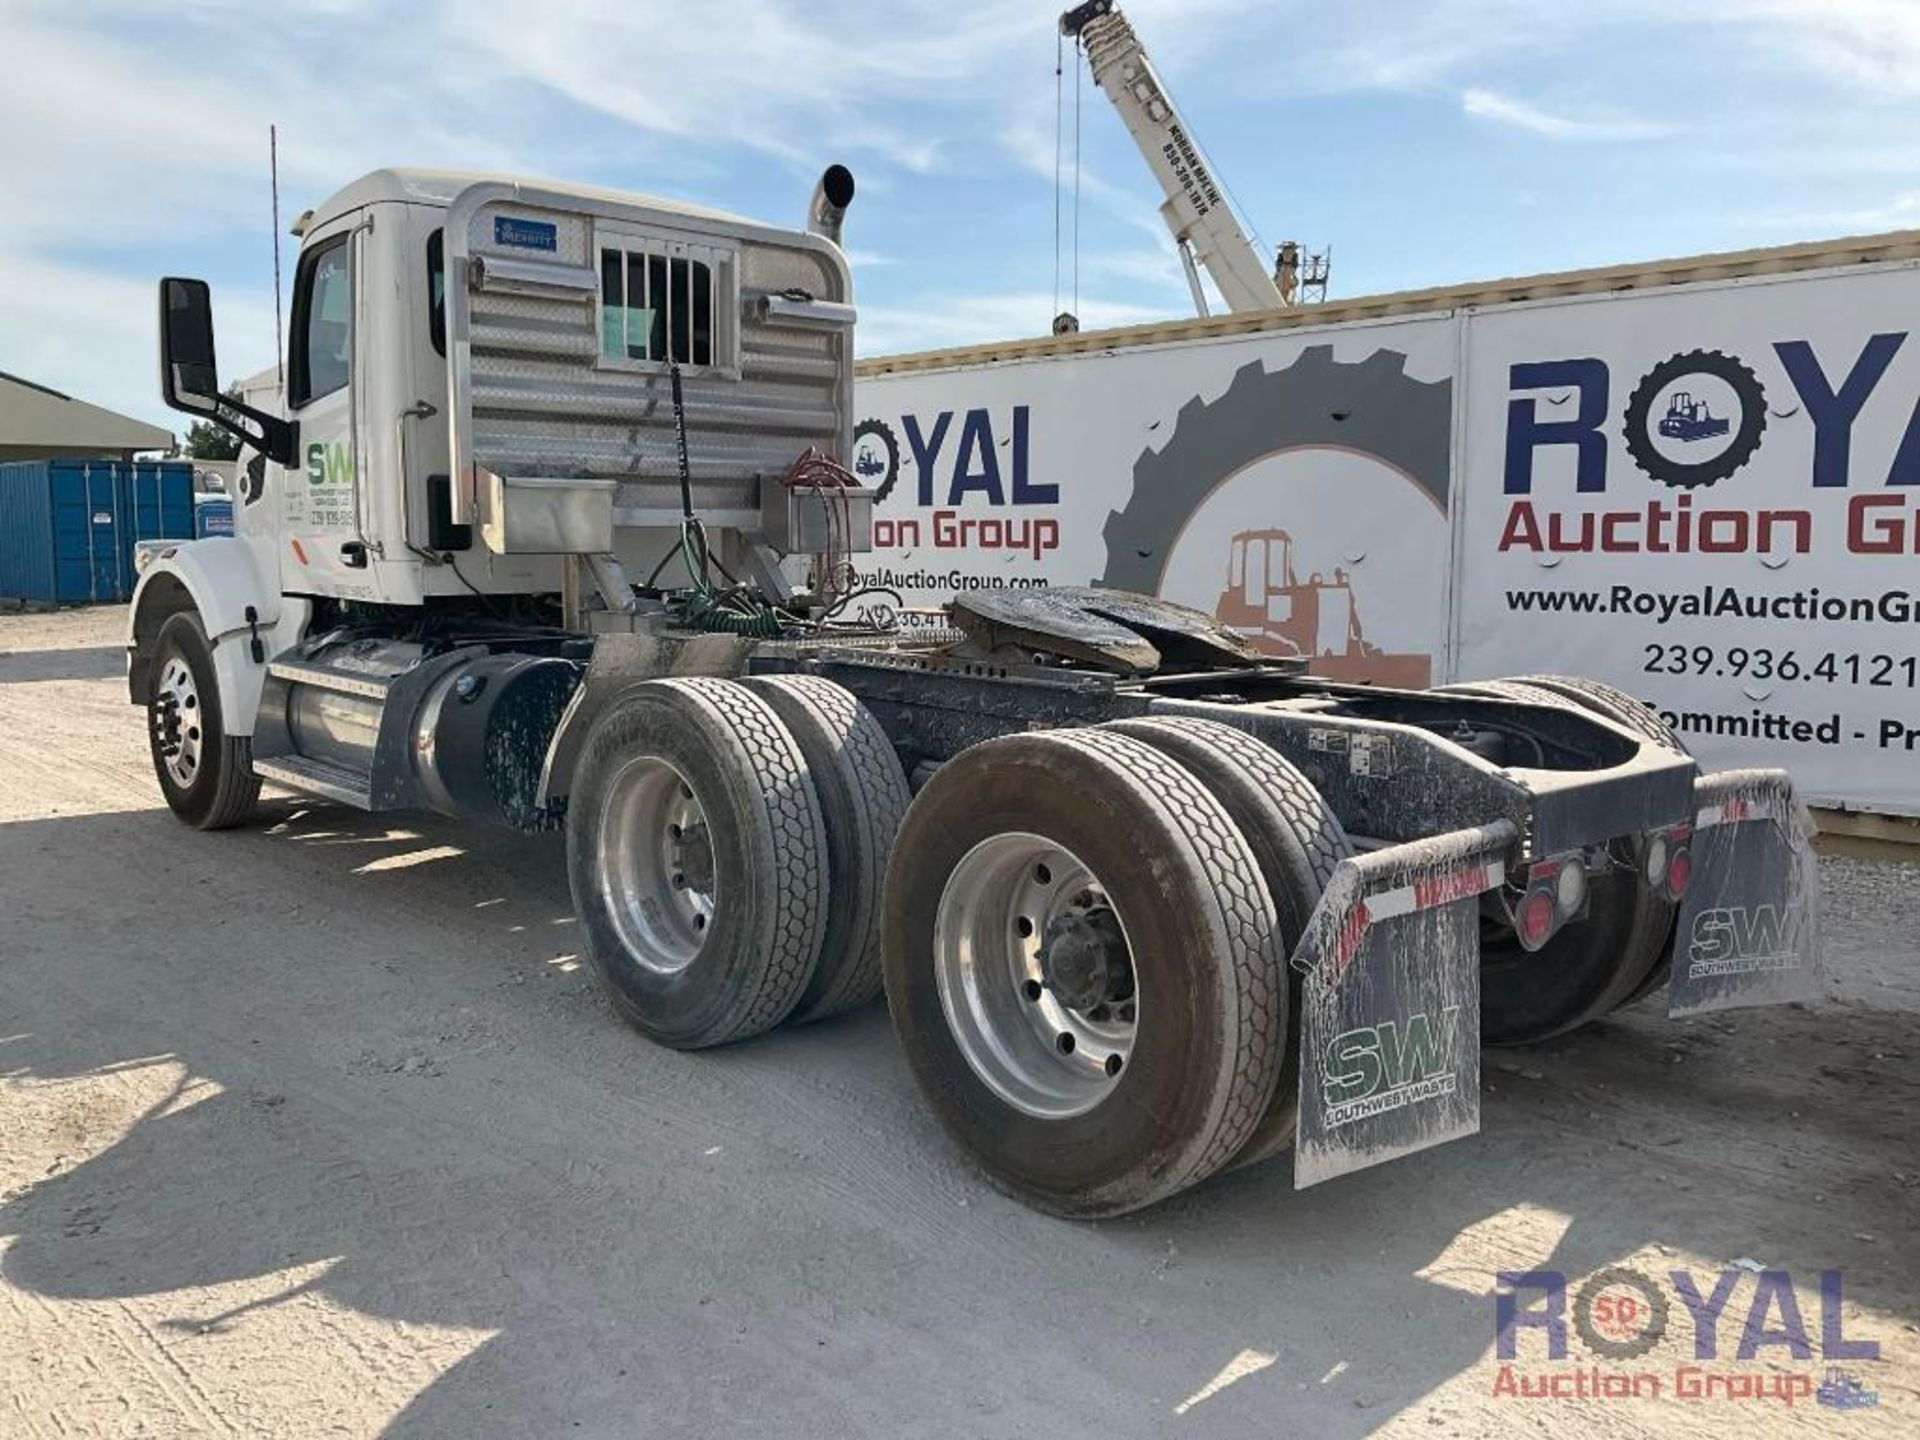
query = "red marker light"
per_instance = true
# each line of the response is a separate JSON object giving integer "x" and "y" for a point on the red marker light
{"x": 1679, "y": 872}
{"x": 1536, "y": 918}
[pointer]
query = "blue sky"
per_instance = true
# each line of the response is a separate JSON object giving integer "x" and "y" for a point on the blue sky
{"x": 1427, "y": 141}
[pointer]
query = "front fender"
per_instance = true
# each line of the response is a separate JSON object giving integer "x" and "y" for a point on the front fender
{"x": 219, "y": 579}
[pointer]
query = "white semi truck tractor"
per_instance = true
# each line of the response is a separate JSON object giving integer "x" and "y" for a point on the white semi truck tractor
{"x": 548, "y": 531}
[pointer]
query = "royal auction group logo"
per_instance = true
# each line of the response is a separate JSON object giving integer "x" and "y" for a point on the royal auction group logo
{"x": 1621, "y": 1315}
{"x": 1835, "y": 422}
{"x": 1695, "y": 418}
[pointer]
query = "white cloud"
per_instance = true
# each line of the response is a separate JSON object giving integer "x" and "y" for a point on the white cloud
{"x": 95, "y": 335}
{"x": 934, "y": 322}
{"x": 1870, "y": 44}
{"x": 1506, "y": 110}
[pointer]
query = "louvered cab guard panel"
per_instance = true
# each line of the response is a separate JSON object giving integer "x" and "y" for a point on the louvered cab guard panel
{"x": 564, "y": 315}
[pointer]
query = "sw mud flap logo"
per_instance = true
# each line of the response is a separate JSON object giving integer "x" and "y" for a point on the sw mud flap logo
{"x": 1739, "y": 941}
{"x": 1389, "y": 1066}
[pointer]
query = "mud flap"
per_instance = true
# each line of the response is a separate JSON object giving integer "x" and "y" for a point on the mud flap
{"x": 1390, "y": 1002}
{"x": 1749, "y": 925}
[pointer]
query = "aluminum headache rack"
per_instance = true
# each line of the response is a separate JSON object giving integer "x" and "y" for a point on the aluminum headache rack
{"x": 563, "y": 313}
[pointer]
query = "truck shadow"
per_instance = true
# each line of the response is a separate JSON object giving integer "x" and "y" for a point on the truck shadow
{"x": 397, "y": 1091}
{"x": 90, "y": 662}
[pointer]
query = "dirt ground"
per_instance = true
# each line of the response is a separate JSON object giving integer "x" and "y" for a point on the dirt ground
{"x": 321, "y": 1128}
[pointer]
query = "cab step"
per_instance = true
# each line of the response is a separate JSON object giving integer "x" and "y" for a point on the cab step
{"x": 317, "y": 777}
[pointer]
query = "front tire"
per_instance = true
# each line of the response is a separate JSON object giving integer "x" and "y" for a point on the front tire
{"x": 1083, "y": 966}
{"x": 205, "y": 774}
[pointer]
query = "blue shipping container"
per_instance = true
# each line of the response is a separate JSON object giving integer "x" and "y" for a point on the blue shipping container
{"x": 212, "y": 517}
{"x": 68, "y": 527}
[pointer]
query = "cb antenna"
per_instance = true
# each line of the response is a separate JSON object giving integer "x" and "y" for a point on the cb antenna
{"x": 273, "y": 174}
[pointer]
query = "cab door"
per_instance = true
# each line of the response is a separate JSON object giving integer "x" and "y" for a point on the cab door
{"x": 321, "y": 502}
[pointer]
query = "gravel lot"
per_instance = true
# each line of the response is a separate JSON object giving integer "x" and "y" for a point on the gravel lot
{"x": 321, "y": 1128}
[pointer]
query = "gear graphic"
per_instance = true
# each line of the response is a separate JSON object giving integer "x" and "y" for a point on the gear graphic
{"x": 1598, "y": 1284}
{"x": 1371, "y": 406}
{"x": 882, "y": 432}
{"x": 1746, "y": 436}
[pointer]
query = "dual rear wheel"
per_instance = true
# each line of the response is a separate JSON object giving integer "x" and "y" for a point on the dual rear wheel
{"x": 1086, "y": 939}
{"x": 725, "y": 844}
{"x": 1085, "y": 932}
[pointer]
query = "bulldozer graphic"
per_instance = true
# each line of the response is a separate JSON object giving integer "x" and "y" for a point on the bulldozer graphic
{"x": 1265, "y": 601}
{"x": 1370, "y": 407}
{"x": 1690, "y": 419}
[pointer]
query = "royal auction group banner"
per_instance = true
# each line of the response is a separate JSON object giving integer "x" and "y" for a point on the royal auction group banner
{"x": 1708, "y": 495}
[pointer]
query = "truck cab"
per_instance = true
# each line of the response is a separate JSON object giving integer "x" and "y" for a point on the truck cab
{"x": 441, "y": 439}
{"x": 502, "y": 388}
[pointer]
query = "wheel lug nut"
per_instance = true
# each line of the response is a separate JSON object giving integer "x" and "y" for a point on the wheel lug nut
{"x": 1032, "y": 989}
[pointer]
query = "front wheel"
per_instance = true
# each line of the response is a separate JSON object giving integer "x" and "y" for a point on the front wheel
{"x": 206, "y": 774}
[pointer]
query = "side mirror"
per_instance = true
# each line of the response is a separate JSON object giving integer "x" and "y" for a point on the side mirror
{"x": 189, "y": 374}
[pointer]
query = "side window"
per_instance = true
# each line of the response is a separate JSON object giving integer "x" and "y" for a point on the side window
{"x": 656, "y": 306}
{"x": 437, "y": 290}
{"x": 322, "y": 356}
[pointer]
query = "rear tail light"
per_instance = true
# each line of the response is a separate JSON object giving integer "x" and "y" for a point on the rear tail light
{"x": 1680, "y": 872}
{"x": 1670, "y": 861}
{"x": 1536, "y": 920}
{"x": 1556, "y": 893}
{"x": 1657, "y": 861}
{"x": 1570, "y": 890}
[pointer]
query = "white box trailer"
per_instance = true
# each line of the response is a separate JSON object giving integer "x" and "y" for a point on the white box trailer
{"x": 1697, "y": 479}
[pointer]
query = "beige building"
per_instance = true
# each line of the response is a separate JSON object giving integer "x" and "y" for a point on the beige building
{"x": 37, "y": 423}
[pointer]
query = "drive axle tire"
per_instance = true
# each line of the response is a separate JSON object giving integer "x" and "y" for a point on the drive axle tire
{"x": 1593, "y": 966}
{"x": 1297, "y": 841}
{"x": 1613, "y": 704}
{"x": 205, "y": 774}
{"x": 863, "y": 796}
{"x": 1083, "y": 967}
{"x": 697, "y": 855}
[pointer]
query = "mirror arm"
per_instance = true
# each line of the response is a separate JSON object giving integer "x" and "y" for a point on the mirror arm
{"x": 273, "y": 437}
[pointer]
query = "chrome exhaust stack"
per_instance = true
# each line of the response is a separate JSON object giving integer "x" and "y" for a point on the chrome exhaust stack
{"x": 831, "y": 197}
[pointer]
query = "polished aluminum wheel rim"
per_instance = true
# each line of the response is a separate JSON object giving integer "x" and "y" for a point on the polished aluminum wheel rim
{"x": 655, "y": 861}
{"x": 177, "y": 701}
{"x": 1039, "y": 1055}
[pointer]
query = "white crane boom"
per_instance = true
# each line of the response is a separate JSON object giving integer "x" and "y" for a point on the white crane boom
{"x": 1196, "y": 209}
